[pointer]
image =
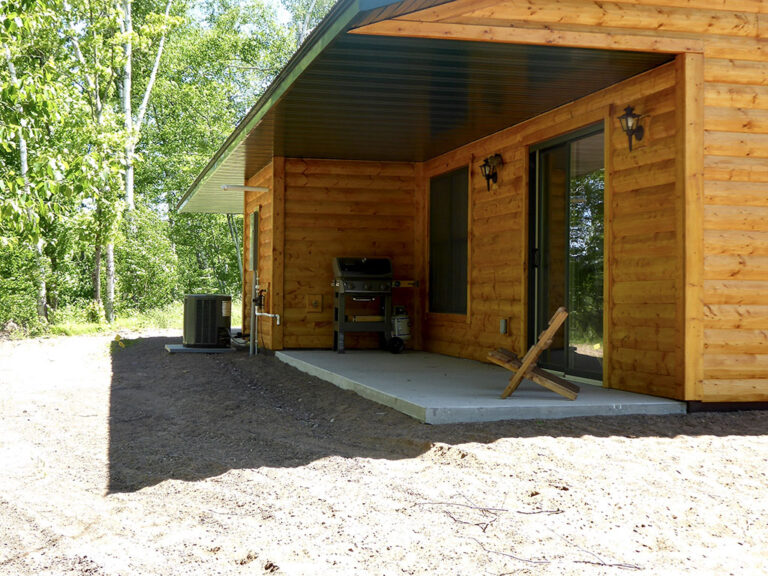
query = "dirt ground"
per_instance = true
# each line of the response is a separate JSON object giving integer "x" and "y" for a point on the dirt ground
{"x": 128, "y": 460}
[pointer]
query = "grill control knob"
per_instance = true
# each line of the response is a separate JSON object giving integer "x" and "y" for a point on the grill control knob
{"x": 366, "y": 286}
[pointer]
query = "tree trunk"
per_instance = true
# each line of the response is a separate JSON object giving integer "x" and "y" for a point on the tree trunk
{"x": 236, "y": 241}
{"x": 42, "y": 292}
{"x": 303, "y": 30}
{"x": 42, "y": 289}
{"x": 127, "y": 108}
{"x": 130, "y": 201}
{"x": 133, "y": 130}
{"x": 109, "y": 302}
{"x": 96, "y": 274}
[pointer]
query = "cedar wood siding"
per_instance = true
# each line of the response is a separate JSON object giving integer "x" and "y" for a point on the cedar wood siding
{"x": 342, "y": 208}
{"x": 722, "y": 155}
{"x": 686, "y": 213}
{"x": 263, "y": 202}
{"x": 643, "y": 242}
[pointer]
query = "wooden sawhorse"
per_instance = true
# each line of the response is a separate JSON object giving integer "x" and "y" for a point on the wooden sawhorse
{"x": 526, "y": 368}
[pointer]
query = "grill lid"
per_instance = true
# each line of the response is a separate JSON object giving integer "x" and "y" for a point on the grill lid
{"x": 355, "y": 268}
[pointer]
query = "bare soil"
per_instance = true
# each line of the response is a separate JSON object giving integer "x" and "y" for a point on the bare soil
{"x": 128, "y": 460}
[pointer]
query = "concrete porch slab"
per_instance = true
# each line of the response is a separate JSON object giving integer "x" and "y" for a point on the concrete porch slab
{"x": 440, "y": 389}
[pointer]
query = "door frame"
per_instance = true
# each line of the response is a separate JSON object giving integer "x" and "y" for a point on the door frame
{"x": 534, "y": 223}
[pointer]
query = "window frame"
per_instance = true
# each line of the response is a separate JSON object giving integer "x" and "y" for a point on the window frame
{"x": 454, "y": 316}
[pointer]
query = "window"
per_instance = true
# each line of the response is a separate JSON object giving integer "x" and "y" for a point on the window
{"x": 448, "y": 200}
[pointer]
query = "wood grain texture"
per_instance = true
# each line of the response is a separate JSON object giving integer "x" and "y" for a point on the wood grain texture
{"x": 662, "y": 17}
{"x": 645, "y": 233}
{"x": 516, "y": 34}
{"x": 643, "y": 217}
{"x": 338, "y": 208}
{"x": 690, "y": 103}
{"x": 689, "y": 207}
{"x": 263, "y": 203}
{"x": 278, "y": 253}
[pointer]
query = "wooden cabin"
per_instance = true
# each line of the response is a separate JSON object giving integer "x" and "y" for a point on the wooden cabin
{"x": 372, "y": 140}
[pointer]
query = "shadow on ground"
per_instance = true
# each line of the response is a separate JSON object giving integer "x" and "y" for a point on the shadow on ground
{"x": 194, "y": 416}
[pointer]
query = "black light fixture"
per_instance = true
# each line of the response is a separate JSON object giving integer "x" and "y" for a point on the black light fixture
{"x": 488, "y": 169}
{"x": 630, "y": 123}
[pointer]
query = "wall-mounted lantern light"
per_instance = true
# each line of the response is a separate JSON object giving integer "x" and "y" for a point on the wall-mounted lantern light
{"x": 489, "y": 169}
{"x": 630, "y": 123}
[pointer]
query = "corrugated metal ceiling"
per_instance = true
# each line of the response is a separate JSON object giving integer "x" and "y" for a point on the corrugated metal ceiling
{"x": 378, "y": 98}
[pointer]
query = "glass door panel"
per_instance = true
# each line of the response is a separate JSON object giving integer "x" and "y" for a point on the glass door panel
{"x": 569, "y": 243}
{"x": 553, "y": 171}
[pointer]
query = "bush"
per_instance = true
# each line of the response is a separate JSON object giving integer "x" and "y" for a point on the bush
{"x": 18, "y": 292}
{"x": 146, "y": 263}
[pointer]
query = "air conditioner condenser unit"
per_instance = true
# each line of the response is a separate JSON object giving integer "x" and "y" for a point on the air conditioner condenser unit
{"x": 207, "y": 320}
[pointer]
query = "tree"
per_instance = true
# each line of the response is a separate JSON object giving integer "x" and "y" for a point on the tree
{"x": 103, "y": 38}
{"x": 214, "y": 68}
{"x": 586, "y": 252}
{"x": 147, "y": 264}
{"x": 32, "y": 95}
{"x": 305, "y": 15}
{"x": 92, "y": 28}
{"x": 92, "y": 91}
{"x": 153, "y": 27}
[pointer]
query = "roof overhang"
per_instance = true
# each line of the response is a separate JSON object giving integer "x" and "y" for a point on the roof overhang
{"x": 205, "y": 194}
{"x": 373, "y": 97}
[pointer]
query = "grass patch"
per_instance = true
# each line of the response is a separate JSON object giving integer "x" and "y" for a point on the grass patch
{"x": 73, "y": 321}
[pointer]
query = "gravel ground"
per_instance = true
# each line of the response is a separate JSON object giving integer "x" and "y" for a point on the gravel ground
{"x": 124, "y": 459}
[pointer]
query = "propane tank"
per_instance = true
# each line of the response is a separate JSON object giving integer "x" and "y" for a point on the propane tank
{"x": 401, "y": 324}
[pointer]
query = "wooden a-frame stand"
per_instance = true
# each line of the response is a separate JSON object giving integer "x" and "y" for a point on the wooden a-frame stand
{"x": 526, "y": 368}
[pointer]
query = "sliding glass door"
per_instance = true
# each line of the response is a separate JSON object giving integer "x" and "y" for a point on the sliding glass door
{"x": 567, "y": 239}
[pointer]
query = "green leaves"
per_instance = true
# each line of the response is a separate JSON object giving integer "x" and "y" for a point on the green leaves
{"x": 64, "y": 104}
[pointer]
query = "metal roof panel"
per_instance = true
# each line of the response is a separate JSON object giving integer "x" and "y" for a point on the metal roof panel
{"x": 357, "y": 97}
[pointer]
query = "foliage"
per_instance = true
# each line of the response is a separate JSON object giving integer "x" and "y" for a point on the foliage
{"x": 305, "y": 15}
{"x": 201, "y": 243}
{"x": 73, "y": 320}
{"x": 586, "y": 257}
{"x": 62, "y": 66}
{"x": 146, "y": 262}
{"x": 35, "y": 98}
{"x": 213, "y": 72}
{"x": 17, "y": 288}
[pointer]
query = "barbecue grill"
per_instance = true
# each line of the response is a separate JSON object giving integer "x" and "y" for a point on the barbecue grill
{"x": 361, "y": 280}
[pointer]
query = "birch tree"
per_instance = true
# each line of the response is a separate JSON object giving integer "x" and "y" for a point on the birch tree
{"x": 103, "y": 39}
{"x": 92, "y": 30}
{"x": 29, "y": 95}
{"x": 305, "y": 15}
{"x": 133, "y": 128}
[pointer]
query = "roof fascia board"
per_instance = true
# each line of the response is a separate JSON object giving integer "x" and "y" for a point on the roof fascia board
{"x": 337, "y": 21}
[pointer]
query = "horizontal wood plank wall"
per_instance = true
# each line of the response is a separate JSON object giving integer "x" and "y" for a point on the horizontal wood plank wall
{"x": 261, "y": 201}
{"x": 735, "y": 219}
{"x": 643, "y": 351}
{"x": 342, "y": 208}
{"x": 729, "y": 358}
{"x": 645, "y": 306}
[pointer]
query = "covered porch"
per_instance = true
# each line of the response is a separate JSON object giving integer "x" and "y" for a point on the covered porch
{"x": 373, "y": 145}
{"x": 439, "y": 389}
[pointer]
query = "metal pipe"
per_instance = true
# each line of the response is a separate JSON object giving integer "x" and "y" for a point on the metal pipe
{"x": 275, "y": 316}
{"x": 240, "y": 187}
{"x": 254, "y": 344}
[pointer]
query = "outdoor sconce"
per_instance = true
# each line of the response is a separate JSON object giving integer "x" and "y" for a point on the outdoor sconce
{"x": 488, "y": 169}
{"x": 630, "y": 123}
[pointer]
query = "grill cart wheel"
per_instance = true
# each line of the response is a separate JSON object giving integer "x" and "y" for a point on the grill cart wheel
{"x": 396, "y": 345}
